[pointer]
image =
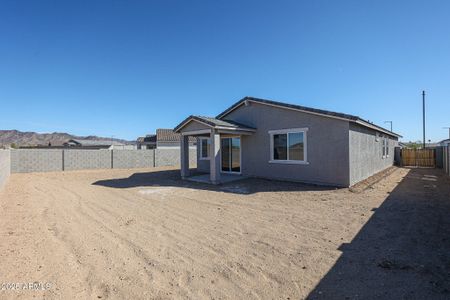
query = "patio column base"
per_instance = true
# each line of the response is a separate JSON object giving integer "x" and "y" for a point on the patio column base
{"x": 184, "y": 156}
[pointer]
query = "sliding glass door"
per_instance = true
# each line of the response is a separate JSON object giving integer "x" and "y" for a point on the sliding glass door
{"x": 231, "y": 154}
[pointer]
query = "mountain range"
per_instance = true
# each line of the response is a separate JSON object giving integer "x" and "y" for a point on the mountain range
{"x": 20, "y": 138}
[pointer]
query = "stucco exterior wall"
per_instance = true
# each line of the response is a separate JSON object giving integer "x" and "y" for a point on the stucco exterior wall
{"x": 327, "y": 145}
{"x": 5, "y": 167}
{"x": 202, "y": 164}
{"x": 366, "y": 153}
{"x": 194, "y": 125}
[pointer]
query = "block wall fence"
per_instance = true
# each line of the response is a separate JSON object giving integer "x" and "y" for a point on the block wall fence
{"x": 52, "y": 160}
{"x": 5, "y": 166}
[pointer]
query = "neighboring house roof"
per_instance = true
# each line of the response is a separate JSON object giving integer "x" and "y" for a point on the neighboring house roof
{"x": 214, "y": 123}
{"x": 170, "y": 136}
{"x": 93, "y": 142}
{"x": 444, "y": 142}
{"x": 150, "y": 138}
{"x": 305, "y": 109}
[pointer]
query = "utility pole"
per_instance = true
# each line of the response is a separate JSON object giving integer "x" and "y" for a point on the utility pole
{"x": 389, "y": 122}
{"x": 423, "y": 112}
{"x": 448, "y": 131}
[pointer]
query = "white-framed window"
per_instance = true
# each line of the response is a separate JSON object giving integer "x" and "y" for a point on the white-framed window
{"x": 385, "y": 146}
{"x": 288, "y": 146}
{"x": 204, "y": 148}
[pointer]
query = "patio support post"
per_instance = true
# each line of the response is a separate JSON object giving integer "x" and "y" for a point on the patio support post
{"x": 214, "y": 161}
{"x": 184, "y": 159}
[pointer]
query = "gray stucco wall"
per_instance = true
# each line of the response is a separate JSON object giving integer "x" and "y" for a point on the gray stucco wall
{"x": 5, "y": 167}
{"x": 194, "y": 125}
{"x": 366, "y": 153}
{"x": 36, "y": 160}
{"x": 327, "y": 145}
{"x": 202, "y": 164}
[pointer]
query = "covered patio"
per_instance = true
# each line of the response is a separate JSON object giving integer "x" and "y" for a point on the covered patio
{"x": 221, "y": 140}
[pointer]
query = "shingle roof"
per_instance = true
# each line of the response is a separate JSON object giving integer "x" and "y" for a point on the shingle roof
{"x": 169, "y": 135}
{"x": 150, "y": 138}
{"x": 214, "y": 122}
{"x": 306, "y": 109}
{"x": 96, "y": 142}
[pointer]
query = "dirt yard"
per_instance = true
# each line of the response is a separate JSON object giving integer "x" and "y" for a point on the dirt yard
{"x": 147, "y": 235}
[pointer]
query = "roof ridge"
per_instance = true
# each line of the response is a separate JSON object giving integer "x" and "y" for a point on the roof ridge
{"x": 307, "y": 109}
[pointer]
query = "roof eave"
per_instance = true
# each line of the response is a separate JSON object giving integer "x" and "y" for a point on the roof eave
{"x": 187, "y": 120}
{"x": 279, "y": 105}
{"x": 348, "y": 118}
{"x": 376, "y": 127}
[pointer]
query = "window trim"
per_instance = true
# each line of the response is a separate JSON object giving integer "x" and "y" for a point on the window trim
{"x": 208, "y": 143}
{"x": 385, "y": 146}
{"x": 287, "y": 131}
{"x": 240, "y": 154}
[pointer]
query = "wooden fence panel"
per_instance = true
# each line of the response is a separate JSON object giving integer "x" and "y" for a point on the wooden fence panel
{"x": 425, "y": 158}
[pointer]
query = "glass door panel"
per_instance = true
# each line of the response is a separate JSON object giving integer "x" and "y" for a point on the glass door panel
{"x": 236, "y": 155}
{"x": 231, "y": 154}
{"x": 225, "y": 148}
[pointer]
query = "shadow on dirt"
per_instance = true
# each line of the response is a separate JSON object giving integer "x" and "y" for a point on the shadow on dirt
{"x": 171, "y": 178}
{"x": 402, "y": 252}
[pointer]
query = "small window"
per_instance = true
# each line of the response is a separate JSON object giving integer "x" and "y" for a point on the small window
{"x": 204, "y": 148}
{"x": 385, "y": 146}
{"x": 288, "y": 146}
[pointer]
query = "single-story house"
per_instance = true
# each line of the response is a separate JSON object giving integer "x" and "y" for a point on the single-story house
{"x": 97, "y": 144}
{"x": 146, "y": 142}
{"x": 269, "y": 139}
{"x": 163, "y": 139}
{"x": 444, "y": 143}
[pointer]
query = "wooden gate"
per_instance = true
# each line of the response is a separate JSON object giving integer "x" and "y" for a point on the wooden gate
{"x": 425, "y": 158}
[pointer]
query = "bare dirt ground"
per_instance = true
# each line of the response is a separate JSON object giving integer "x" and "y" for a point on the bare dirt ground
{"x": 148, "y": 235}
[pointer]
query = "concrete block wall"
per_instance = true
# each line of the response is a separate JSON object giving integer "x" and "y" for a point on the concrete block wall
{"x": 128, "y": 159}
{"x": 5, "y": 167}
{"x": 171, "y": 157}
{"x": 36, "y": 160}
{"x": 48, "y": 160}
{"x": 87, "y": 159}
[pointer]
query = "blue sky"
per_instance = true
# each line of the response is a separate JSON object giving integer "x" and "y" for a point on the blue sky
{"x": 125, "y": 68}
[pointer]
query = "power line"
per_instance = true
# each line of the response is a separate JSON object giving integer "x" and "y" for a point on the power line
{"x": 389, "y": 122}
{"x": 448, "y": 131}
